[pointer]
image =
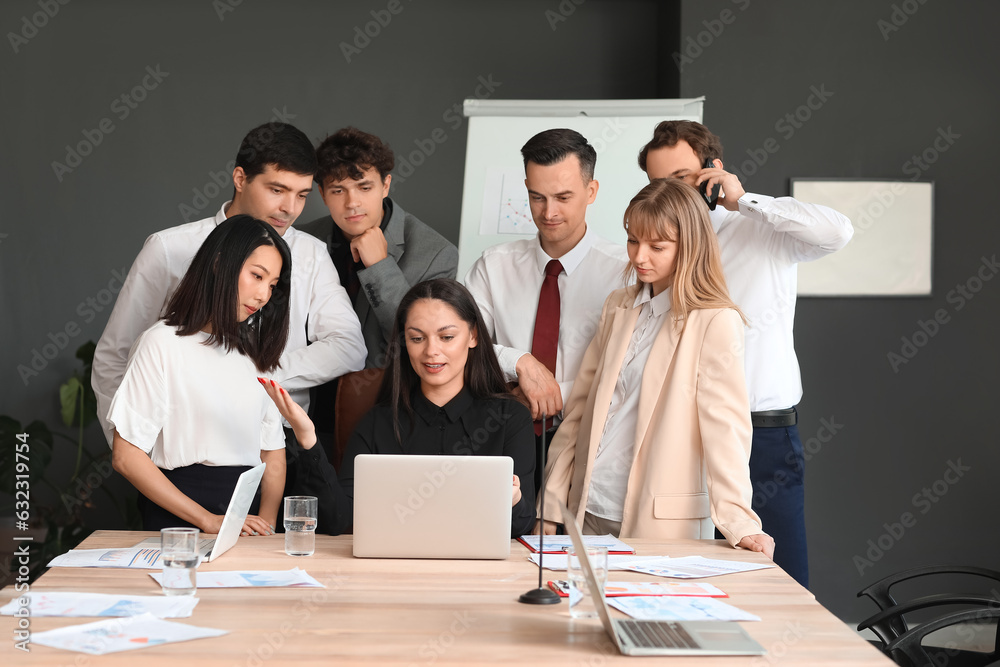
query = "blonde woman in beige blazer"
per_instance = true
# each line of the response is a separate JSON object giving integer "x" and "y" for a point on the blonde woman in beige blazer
{"x": 672, "y": 461}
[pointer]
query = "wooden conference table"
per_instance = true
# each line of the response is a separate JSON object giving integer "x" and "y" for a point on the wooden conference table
{"x": 424, "y": 612}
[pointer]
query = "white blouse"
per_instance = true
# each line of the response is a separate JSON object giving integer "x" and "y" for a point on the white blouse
{"x": 184, "y": 402}
{"x": 613, "y": 463}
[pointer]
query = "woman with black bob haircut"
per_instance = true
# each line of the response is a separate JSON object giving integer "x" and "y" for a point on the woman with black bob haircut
{"x": 189, "y": 417}
{"x": 443, "y": 390}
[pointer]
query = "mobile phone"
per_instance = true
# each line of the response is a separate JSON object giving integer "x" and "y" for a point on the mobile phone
{"x": 711, "y": 198}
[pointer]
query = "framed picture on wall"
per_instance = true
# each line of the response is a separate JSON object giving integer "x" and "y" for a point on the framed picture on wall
{"x": 891, "y": 251}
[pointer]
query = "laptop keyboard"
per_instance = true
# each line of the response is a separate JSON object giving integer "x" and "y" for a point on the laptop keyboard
{"x": 656, "y": 634}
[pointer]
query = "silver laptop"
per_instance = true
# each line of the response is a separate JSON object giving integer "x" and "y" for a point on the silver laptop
{"x": 413, "y": 506}
{"x": 232, "y": 523}
{"x": 644, "y": 637}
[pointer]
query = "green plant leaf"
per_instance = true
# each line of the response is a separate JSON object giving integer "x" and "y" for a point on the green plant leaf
{"x": 69, "y": 394}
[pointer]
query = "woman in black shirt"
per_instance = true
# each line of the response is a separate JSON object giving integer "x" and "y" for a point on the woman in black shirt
{"x": 443, "y": 393}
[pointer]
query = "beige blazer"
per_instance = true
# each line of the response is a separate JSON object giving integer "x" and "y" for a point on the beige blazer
{"x": 690, "y": 470}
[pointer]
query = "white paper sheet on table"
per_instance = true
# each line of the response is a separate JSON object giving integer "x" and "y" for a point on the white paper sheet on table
{"x": 558, "y": 543}
{"x": 615, "y": 561}
{"x": 143, "y": 556}
{"x": 121, "y": 634}
{"x": 680, "y": 609}
{"x": 294, "y": 578}
{"x": 687, "y": 567}
{"x": 693, "y": 567}
{"x": 65, "y": 603}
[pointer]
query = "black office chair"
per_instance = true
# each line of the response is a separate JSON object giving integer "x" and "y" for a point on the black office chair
{"x": 902, "y": 641}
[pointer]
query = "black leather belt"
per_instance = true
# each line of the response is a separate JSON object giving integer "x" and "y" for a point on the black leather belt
{"x": 774, "y": 418}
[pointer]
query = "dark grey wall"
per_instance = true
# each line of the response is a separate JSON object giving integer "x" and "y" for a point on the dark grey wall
{"x": 66, "y": 238}
{"x": 68, "y": 235}
{"x": 897, "y": 431}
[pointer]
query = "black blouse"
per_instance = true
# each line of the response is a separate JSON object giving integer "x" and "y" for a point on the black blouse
{"x": 465, "y": 426}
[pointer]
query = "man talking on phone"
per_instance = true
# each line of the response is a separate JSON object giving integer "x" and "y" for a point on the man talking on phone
{"x": 762, "y": 240}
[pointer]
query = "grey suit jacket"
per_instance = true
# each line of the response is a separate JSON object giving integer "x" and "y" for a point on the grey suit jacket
{"x": 416, "y": 253}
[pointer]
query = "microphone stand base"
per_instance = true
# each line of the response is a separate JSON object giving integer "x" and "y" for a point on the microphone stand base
{"x": 539, "y": 596}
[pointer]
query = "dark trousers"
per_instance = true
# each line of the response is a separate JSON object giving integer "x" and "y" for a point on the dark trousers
{"x": 210, "y": 486}
{"x": 776, "y": 473}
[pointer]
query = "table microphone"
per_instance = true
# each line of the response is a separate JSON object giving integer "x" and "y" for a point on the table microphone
{"x": 540, "y": 595}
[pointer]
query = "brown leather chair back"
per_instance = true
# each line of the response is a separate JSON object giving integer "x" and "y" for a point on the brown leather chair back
{"x": 356, "y": 395}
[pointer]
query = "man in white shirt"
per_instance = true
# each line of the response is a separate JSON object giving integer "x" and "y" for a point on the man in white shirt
{"x": 507, "y": 281}
{"x": 762, "y": 240}
{"x": 273, "y": 175}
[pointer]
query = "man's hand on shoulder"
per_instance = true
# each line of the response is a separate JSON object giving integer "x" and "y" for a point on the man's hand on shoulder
{"x": 370, "y": 247}
{"x": 731, "y": 186}
{"x": 539, "y": 387}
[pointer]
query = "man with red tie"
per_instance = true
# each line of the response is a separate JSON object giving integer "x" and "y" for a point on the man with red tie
{"x": 541, "y": 298}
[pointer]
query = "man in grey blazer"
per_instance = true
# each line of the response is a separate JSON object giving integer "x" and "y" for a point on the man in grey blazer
{"x": 379, "y": 249}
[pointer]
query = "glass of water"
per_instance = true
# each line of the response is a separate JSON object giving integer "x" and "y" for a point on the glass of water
{"x": 179, "y": 552}
{"x": 581, "y": 604}
{"x": 300, "y": 525}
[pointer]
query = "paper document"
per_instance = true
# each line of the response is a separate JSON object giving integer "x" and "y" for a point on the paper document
{"x": 295, "y": 578}
{"x": 121, "y": 634}
{"x": 147, "y": 559}
{"x": 101, "y": 604}
{"x": 615, "y": 561}
{"x": 680, "y": 609}
{"x": 559, "y": 543}
{"x": 615, "y": 589}
{"x": 693, "y": 567}
{"x": 143, "y": 556}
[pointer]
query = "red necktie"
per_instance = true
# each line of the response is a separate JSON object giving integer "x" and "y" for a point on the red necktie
{"x": 545, "y": 342}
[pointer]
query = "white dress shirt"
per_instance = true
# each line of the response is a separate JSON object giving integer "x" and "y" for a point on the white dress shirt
{"x": 324, "y": 337}
{"x": 761, "y": 245}
{"x": 506, "y": 282}
{"x": 613, "y": 462}
{"x": 183, "y": 402}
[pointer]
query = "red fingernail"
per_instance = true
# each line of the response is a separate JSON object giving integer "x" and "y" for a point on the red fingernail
{"x": 272, "y": 383}
{"x": 282, "y": 390}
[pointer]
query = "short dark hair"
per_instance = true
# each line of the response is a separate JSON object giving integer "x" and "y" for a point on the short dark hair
{"x": 283, "y": 145}
{"x": 209, "y": 293}
{"x": 705, "y": 144}
{"x": 552, "y": 146}
{"x": 349, "y": 152}
{"x": 483, "y": 377}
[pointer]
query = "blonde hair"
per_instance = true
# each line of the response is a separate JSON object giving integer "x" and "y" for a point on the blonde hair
{"x": 670, "y": 210}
